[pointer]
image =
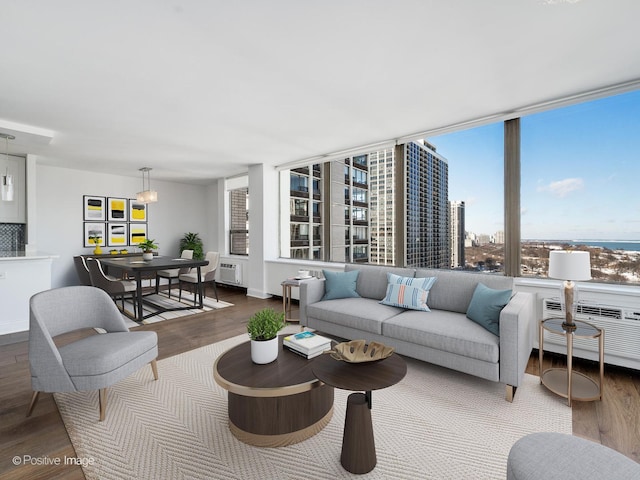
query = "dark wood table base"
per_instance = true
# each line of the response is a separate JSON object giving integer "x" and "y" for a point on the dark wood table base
{"x": 358, "y": 444}
{"x": 280, "y": 421}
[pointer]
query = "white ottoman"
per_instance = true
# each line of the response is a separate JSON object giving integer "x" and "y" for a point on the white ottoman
{"x": 551, "y": 456}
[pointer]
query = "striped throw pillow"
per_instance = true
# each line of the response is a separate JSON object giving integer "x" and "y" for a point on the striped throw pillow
{"x": 408, "y": 292}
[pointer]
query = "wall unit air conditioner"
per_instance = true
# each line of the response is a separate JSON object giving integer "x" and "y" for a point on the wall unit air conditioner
{"x": 621, "y": 327}
{"x": 230, "y": 273}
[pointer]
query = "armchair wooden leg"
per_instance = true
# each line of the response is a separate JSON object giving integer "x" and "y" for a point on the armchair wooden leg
{"x": 34, "y": 400}
{"x": 510, "y": 393}
{"x": 154, "y": 368}
{"x": 102, "y": 398}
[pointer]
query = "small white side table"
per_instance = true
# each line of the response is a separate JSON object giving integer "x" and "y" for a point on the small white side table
{"x": 564, "y": 381}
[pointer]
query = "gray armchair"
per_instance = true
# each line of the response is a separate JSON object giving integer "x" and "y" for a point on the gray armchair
{"x": 92, "y": 363}
{"x": 207, "y": 274}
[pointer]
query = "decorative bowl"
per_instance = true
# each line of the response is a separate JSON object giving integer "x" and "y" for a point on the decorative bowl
{"x": 358, "y": 351}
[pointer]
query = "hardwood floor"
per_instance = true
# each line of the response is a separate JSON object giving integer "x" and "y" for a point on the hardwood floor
{"x": 615, "y": 421}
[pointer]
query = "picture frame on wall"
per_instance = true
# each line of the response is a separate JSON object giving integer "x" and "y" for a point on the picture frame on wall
{"x": 117, "y": 235}
{"x": 117, "y": 209}
{"x": 137, "y": 233}
{"x": 94, "y": 208}
{"x": 92, "y": 229}
{"x": 137, "y": 211}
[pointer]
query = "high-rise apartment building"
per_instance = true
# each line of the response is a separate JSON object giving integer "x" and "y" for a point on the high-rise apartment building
{"x": 385, "y": 207}
{"x": 382, "y": 214}
{"x": 426, "y": 183}
{"x": 457, "y": 233}
{"x": 305, "y": 213}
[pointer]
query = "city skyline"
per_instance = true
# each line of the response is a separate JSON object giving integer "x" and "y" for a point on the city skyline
{"x": 579, "y": 171}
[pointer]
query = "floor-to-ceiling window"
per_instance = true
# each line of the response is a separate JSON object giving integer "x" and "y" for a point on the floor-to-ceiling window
{"x": 578, "y": 169}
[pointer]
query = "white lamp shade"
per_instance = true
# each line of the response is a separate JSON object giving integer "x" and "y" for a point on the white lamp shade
{"x": 569, "y": 265}
{"x": 147, "y": 196}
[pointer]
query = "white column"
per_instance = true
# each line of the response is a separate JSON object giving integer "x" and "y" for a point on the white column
{"x": 263, "y": 226}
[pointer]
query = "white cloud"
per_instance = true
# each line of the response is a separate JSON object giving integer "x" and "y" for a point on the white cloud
{"x": 562, "y": 188}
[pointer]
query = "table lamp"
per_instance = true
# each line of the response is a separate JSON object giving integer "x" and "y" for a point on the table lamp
{"x": 569, "y": 266}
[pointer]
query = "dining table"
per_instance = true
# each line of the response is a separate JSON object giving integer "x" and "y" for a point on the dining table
{"x": 135, "y": 266}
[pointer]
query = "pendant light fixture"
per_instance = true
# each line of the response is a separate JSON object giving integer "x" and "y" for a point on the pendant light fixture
{"x": 148, "y": 195}
{"x": 7, "y": 180}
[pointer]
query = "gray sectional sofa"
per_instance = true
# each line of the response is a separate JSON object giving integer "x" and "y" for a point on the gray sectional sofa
{"x": 444, "y": 336}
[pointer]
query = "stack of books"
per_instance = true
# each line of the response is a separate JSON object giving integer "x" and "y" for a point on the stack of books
{"x": 307, "y": 344}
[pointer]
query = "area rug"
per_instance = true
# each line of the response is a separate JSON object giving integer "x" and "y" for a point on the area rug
{"x": 166, "y": 302}
{"x": 434, "y": 424}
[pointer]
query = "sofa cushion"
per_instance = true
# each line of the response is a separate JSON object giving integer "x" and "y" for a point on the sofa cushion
{"x": 364, "y": 314}
{"x": 340, "y": 284}
{"x": 486, "y": 305}
{"x": 453, "y": 290}
{"x": 446, "y": 331}
{"x": 372, "y": 281}
{"x": 408, "y": 292}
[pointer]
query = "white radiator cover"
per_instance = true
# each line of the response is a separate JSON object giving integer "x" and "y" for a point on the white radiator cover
{"x": 621, "y": 327}
{"x": 231, "y": 273}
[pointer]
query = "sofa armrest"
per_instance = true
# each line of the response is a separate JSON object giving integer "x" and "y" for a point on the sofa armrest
{"x": 516, "y": 337}
{"x": 311, "y": 291}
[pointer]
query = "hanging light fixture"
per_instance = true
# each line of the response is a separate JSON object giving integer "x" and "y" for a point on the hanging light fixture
{"x": 148, "y": 195}
{"x": 7, "y": 180}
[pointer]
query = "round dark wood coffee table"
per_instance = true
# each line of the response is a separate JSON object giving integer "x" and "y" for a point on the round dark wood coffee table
{"x": 276, "y": 404}
{"x": 358, "y": 445}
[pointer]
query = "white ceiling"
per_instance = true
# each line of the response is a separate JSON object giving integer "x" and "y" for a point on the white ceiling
{"x": 200, "y": 89}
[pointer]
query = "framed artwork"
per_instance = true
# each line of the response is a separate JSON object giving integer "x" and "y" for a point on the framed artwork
{"x": 94, "y": 208}
{"x": 117, "y": 235}
{"x": 137, "y": 211}
{"x": 137, "y": 233}
{"x": 117, "y": 209}
{"x": 93, "y": 230}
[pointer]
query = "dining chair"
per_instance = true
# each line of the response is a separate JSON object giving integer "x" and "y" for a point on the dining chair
{"x": 94, "y": 362}
{"x": 207, "y": 274}
{"x": 82, "y": 270}
{"x": 114, "y": 287}
{"x": 172, "y": 273}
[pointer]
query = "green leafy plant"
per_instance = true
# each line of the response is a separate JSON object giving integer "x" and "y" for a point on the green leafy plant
{"x": 265, "y": 324}
{"x": 148, "y": 245}
{"x": 192, "y": 241}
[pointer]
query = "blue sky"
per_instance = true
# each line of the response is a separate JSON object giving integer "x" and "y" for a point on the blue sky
{"x": 580, "y": 172}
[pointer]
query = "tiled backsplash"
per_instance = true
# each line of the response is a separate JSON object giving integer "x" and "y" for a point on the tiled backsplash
{"x": 12, "y": 236}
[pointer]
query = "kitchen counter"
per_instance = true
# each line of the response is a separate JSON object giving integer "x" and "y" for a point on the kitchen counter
{"x": 8, "y": 255}
{"x": 22, "y": 274}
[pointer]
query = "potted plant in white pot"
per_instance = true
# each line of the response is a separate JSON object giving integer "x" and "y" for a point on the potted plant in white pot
{"x": 263, "y": 328}
{"x": 147, "y": 246}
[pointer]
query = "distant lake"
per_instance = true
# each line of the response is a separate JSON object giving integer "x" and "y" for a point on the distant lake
{"x": 610, "y": 244}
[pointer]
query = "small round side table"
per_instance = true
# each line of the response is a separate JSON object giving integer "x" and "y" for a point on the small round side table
{"x": 564, "y": 381}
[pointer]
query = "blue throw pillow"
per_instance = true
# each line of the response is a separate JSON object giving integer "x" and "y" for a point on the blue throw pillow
{"x": 408, "y": 292}
{"x": 340, "y": 284}
{"x": 486, "y": 305}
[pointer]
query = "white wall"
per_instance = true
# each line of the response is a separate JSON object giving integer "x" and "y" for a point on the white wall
{"x": 181, "y": 208}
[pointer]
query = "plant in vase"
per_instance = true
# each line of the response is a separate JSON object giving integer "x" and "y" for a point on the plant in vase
{"x": 192, "y": 241}
{"x": 263, "y": 328}
{"x": 96, "y": 240}
{"x": 147, "y": 246}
